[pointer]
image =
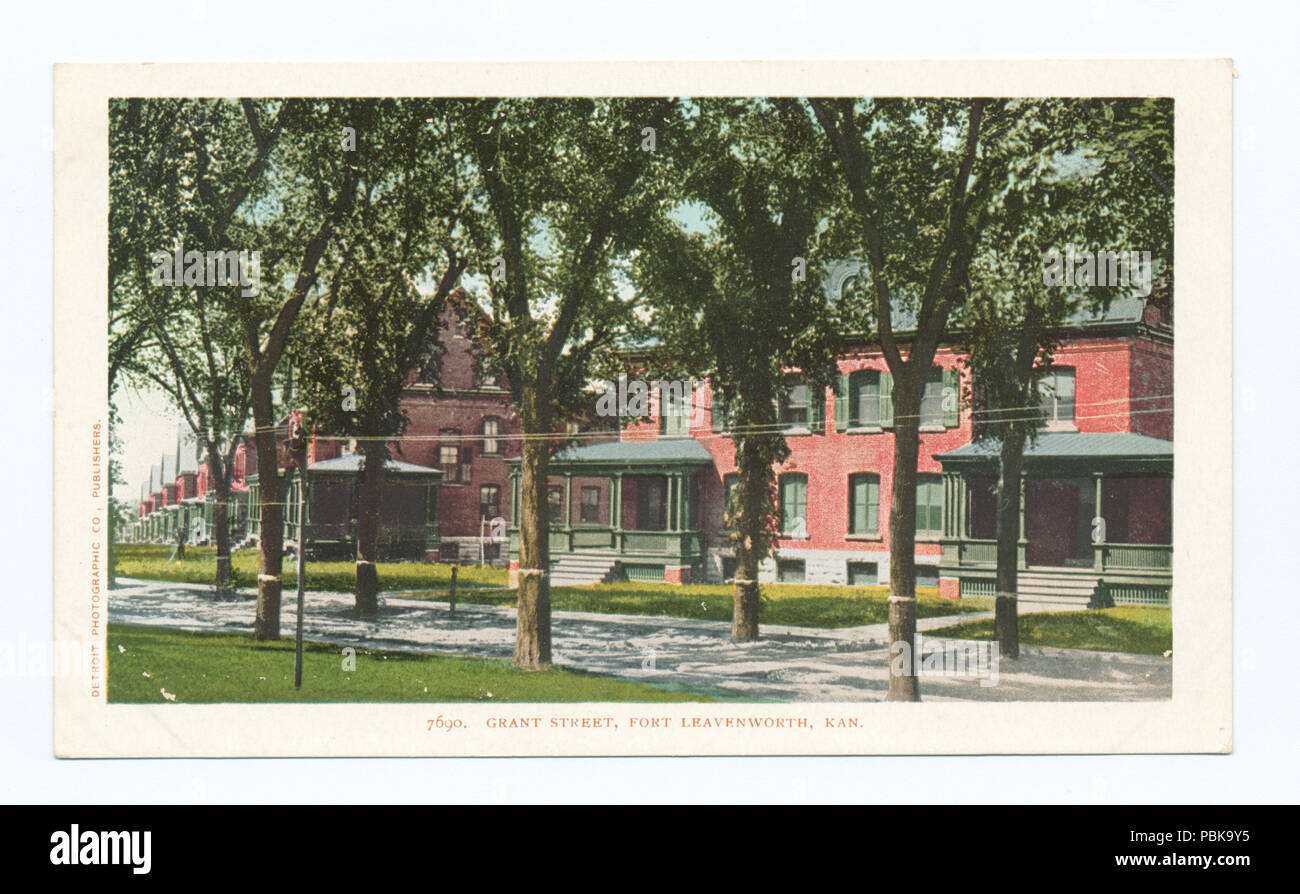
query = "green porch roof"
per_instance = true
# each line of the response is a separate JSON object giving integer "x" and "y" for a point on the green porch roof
{"x": 661, "y": 452}
{"x": 1066, "y": 446}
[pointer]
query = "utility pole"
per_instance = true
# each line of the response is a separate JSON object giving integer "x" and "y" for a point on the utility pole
{"x": 298, "y": 447}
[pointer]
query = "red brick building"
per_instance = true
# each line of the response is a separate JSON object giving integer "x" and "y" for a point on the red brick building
{"x": 447, "y": 476}
{"x": 1107, "y": 443}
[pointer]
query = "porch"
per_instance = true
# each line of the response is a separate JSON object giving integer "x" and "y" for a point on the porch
{"x": 408, "y": 509}
{"x": 623, "y": 509}
{"x": 1095, "y": 521}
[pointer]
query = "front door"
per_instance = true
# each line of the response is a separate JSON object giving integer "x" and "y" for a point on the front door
{"x": 1051, "y": 521}
{"x": 650, "y": 515}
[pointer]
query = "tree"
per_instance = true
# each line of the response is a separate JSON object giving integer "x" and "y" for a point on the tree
{"x": 565, "y": 184}
{"x": 313, "y": 189}
{"x": 357, "y": 348}
{"x": 181, "y": 339}
{"x": 1106, "y": 184}
{"x": 198, "y": 366}
{"x": 270, "y": 176}
{"x": 916, "y": 198}
{"x": 736, "y": 304}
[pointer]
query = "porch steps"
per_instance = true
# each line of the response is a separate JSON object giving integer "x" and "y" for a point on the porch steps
{"x": 581, "y": 569}
{"x": 1056, "y": 593}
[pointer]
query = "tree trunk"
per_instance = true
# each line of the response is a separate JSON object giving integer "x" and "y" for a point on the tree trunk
{"x": 903, "y": 682}
{"x": 751, "y": 542}
{"x": 271, "y": 537}
{"x": 1006, "y": 620}
{"x": 368, "y": 509}
{"x": 221, "y": 527}
{"x": 533, "y": 627}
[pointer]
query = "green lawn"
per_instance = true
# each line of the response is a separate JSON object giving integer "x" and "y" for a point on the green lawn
{"x": 1145, "y": 629}
{"x": 797, "y": 605}
{"x": 199, "y": 566}
{"x": 145, "y": 662}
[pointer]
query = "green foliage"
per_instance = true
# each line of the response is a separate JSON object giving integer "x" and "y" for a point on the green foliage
{"x": 206, "y": 668}
{"x": 387, "y": 274}
{"x": 797, "y": 605}
{"x": 151, "y": 562}
{"x": 564, "y": 188}
{"x": 1144, "y": 629}
{"x": 1072, "y": 176}
{"x": 739, "y": 301}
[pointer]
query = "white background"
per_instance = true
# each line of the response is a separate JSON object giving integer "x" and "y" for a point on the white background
{"x": 1261, "y": 38}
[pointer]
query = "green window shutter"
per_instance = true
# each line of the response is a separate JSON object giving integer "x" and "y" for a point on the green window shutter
{"x": 816, "y": 409}
{"x": 719, "y": 413}
{"x": 886, "y": 400}
{"x": 873, "y": 504}
{"x": 842, "y": 398}
{"x": 951, "y": 398}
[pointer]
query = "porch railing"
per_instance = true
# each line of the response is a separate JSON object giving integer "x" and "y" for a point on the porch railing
{"x": 1149, "y": 557}
{"x": 1127, "y": 558}
{"x": 673, "y": 544}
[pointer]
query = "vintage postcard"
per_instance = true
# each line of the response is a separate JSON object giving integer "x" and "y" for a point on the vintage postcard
{"x": 643, "y": 408}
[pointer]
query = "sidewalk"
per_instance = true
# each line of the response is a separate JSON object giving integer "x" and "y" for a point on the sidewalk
{"x": 789, "y": 664}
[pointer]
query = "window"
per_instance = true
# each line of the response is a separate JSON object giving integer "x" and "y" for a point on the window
{"x": 864, "y": 574}
{"x": 927, "y": 575}
{"x": 652, "y": 504}
{"x": 491, "y": 436}
{"x": 720, "y": 413}
{"x": 864, "y": 398}
{"x": 794, "y": 505}
{"x": 590, "y": 514}
{"x": 790, "y": 571}
{"x": 1056, "y": 397}
{"x": 674, "y": 409}
{"x": 794, "y": 408}
{"x": 932, "y": 399}
{"x": 489, "y": 501}
{"x": 555, "y": 500}
{"x": 864, "y": 503}
{"x": 929, "y": 505}
{"x": 449, "y": 456}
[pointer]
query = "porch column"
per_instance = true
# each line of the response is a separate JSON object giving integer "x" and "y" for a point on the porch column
{"x": 1022, "y": 542}
{"x": 616, "y": 510}
{"x": 963, "y": 506}
{"x": 568, "y": 500}
{"x": 514, "y": 500}
{"x": 1098, "y": 543}
{"x": 430, "y": 515}
{"x": 948, "y": 504}
{"x": 568, "y": 510}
